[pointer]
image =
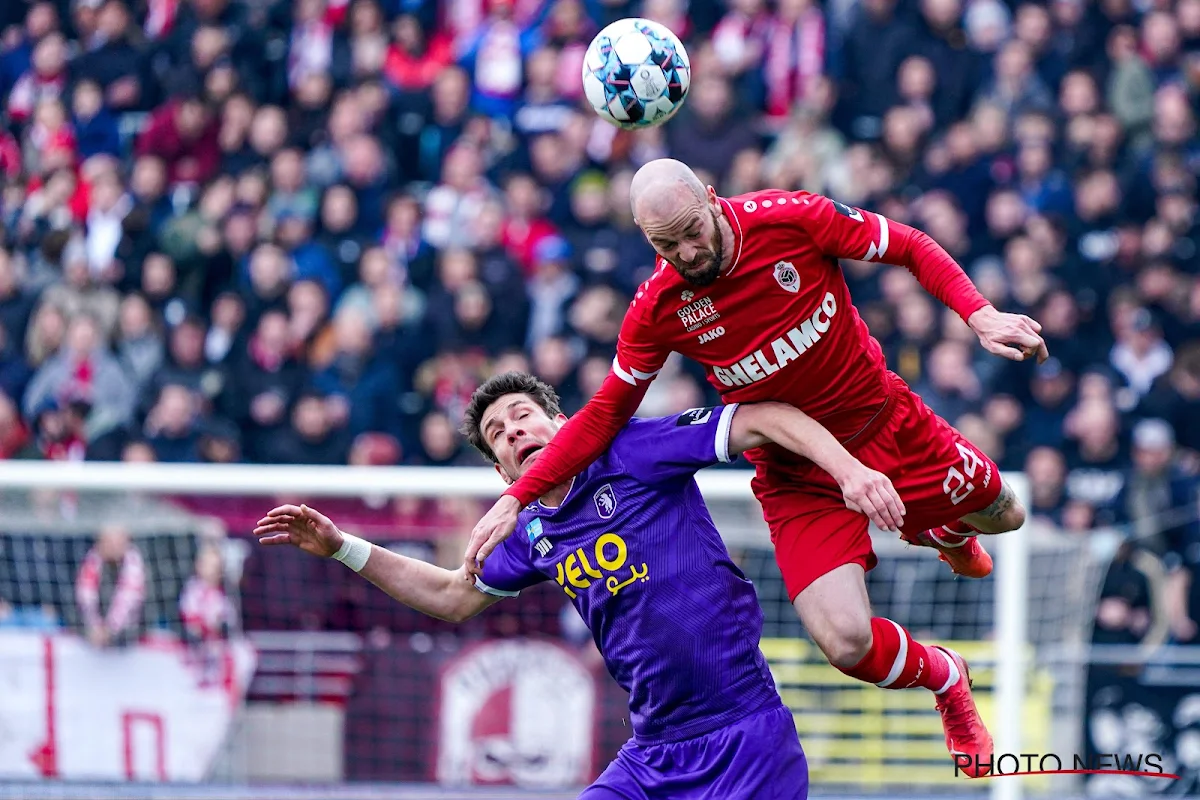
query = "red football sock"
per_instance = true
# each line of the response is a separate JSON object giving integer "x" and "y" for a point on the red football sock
{"x": 897, "y": 661}
{"x": 953, "y": 534}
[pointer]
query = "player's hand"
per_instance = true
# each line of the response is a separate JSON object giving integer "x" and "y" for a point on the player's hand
{"x": 871, "y": 493}
{"x": 1011, "y": 336}
{"x": 310, "y": 530}
{"x": 496, "y": 526}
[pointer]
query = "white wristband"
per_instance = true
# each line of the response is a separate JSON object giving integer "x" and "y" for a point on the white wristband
{"x": 354, "y": 552}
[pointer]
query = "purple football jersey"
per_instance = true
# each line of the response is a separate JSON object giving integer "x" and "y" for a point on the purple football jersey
{"x": 637, "y": 553}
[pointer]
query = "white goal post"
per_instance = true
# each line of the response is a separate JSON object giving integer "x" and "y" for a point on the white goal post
{"x": 1011, "y": 596}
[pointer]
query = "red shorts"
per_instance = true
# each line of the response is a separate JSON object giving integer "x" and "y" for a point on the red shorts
{"x": 939, "y": 475}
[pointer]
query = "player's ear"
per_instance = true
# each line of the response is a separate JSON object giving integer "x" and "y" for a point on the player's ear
{"x": 500, "y": 471}
{"x": 712, "y": 196}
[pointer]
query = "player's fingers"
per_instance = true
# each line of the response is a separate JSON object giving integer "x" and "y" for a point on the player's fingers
{"x": 867, "y": 505}
{"x": 284, "y": 511}
{"x": 316, "y": 516}
{"x": 471, "y": 557}
{"x": 1043, "y": 353}
{"x": 1033, "y": 323}
{"x": 270, "y": 528}
{"x": 1004, "y": 351}
{"x": 473, "y": 546}
{"x": 887, "y": 506}
{"x": 1026, "y": 340}
{"x": 890, "y": 523}
{"x": 895, "y": 497}
{"x": 878, "y": 519}
{"x": 486, "y": 548}
{"x": 279, "y": 538}
{"x": 894, "y": 506}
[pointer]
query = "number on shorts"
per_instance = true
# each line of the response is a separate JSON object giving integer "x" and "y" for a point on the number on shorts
{"x": 957, "y": 485}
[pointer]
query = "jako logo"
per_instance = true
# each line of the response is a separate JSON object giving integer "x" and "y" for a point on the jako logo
{"x": 758, "y": 365}
{"x": 708, "y": 336}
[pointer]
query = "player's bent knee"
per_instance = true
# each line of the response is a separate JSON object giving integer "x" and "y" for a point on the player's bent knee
{"x": 1013, "y": 518}
{"x": 846, "y": 643}
{"x": 1004, "y": 515}
{"x": 1010, "y": 519}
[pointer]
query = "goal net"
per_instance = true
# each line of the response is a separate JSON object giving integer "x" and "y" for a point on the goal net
{"x": 145, "y": 638}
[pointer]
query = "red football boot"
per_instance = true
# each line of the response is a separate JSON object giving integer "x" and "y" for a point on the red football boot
{"x": 964, "y": 554}
{"x": 967, "y": 738}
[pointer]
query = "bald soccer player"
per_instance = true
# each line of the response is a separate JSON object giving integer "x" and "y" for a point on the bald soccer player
{"x": 751, "y": 288}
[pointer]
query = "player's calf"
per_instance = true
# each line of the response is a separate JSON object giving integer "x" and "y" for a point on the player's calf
{"x": 836, "y": 611}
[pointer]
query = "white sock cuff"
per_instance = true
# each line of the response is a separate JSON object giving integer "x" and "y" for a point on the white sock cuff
{"x": 954, "y": 674}
{"x": 933, "y": 534}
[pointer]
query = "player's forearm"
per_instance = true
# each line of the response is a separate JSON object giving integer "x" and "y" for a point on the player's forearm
{"x": 761, "y": 423}
{"x": 429, "y": 589}
{"x": 935, "y": 270}
{"x": 581, "y": 440}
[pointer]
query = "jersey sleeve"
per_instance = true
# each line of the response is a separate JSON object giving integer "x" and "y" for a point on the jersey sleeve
{"x": 665, "y": 448}
{"x": 842, "y": 231}
{"x": 509, "y": 569}
{"x": 640, "y": 354}
{"x": 590, "y": 432}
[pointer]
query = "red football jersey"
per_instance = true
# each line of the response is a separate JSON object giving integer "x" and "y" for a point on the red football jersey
{"x": 777, "y": 325}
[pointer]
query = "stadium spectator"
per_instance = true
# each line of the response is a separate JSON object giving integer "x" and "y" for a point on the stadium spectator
{"x": 314, "y": 436}
{"x": 1047, "y": 473}
{"x": 359, "y": 385}
{"x": 172, "y": 428}
{"x": 1157, "y": 496}
{"x": 1132, "y": 600}
{"x": 204, "y": 607}
{"x": 84, "y": 372}
{"x": 110, "y": 589}
{"x": 114, "y": 60}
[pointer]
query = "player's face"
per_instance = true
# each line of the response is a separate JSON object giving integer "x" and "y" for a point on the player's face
{"x": 516, "y": 428}
{"x": 690, "y": 239}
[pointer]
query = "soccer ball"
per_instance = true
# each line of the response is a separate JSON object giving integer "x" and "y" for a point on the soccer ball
{"x": 636, "y": 73}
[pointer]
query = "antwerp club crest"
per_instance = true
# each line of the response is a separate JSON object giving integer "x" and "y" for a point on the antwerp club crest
{"x": 787, "y": 277}
{"x": 516, "y": 712}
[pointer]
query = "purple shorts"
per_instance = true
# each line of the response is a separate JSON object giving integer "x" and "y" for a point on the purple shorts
{"x": 756, "y": 758}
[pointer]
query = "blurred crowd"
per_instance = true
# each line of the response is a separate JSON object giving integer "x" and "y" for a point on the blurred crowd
{"x": 303, "y": 231}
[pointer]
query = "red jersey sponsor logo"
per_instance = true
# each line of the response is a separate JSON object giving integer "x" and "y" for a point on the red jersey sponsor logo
{"x": 766, "y": 361}
{"x": 698, "y": 313}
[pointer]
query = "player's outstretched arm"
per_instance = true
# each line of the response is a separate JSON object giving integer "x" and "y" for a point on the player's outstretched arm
{"x": 844, "y": 232}
{"x": 864, "y": 489}
{"x": 435, "y": 592}
{"x": 578, "y": 443}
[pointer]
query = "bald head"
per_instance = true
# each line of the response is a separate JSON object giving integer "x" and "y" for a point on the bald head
{"x": 682, "y": 219}
{"x": 661, "y": 186}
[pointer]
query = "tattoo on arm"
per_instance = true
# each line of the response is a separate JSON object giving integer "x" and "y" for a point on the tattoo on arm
{"x": 1001, "y": 505}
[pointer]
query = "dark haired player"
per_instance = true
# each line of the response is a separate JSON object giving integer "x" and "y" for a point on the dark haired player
{"x": 677, "y": 622}
{"x": 751, "y": 288}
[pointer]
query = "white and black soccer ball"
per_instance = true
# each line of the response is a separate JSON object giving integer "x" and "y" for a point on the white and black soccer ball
{"x": 636, "y": 73}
